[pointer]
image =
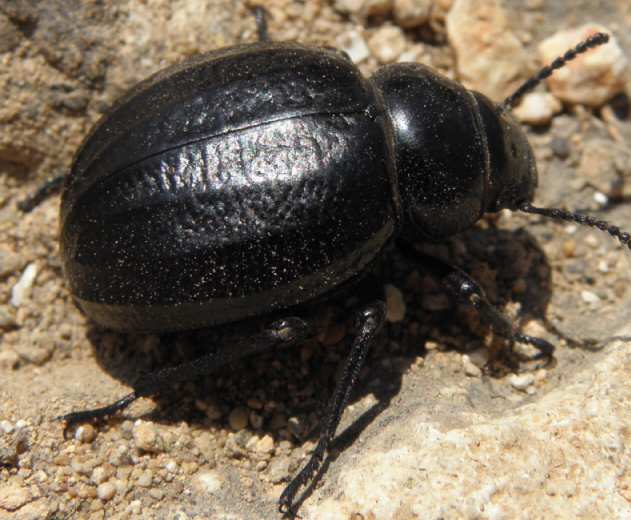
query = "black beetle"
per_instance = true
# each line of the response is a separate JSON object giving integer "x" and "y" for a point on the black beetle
{"x": 260, "y": 179}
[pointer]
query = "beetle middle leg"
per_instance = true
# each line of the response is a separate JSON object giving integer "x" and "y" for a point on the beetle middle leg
{"x": 466, "y": 290}
{"x": 283, "y": 332}
{"x": 368, "y": 322}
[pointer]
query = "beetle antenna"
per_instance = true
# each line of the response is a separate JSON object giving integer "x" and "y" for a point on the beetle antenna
{"x": 593, "y": 41}
{"x": 585, "y": 220}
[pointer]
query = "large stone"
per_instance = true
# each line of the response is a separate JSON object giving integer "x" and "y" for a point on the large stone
{"x": 564, "y": 456}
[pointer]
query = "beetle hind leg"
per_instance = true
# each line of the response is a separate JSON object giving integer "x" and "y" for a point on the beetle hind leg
{"x": 369, "y": 320}
{"x": 49, "y": 187}
{"x": 284, "y": 332}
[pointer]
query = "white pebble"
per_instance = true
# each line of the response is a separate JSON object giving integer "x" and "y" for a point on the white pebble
{"x": 6, "y": 426}
{"x": 106, "y": 491}
{"x": 21, "y": 289}
{"x": 601, "y": 198}
{"x": 208, "y": 481}
{"x": 537, "y": 108}
{"x": 387, "y": 43}
{"x": 353, "y": 43}
{"x": 521, "y": 381}
{"x": 590, "y": 297}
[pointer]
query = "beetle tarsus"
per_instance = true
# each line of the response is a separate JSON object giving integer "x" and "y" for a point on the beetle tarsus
{"x": 45, "y": 190}
{"x": 369, "y": 321}
{"x": 98, "y": 413}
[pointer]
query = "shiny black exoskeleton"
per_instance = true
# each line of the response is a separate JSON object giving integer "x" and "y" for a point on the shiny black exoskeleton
{"x": 258, "y": 179}
{"x": 262, "y": 176}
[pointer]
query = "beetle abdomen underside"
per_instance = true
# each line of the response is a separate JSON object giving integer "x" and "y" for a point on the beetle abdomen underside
{"x": 274, "y": 213}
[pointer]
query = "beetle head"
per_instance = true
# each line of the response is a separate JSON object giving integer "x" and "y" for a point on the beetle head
{"x": 512, "y": 167}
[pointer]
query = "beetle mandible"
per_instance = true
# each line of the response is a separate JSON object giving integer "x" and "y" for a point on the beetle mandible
{"x": 259, "y": 179}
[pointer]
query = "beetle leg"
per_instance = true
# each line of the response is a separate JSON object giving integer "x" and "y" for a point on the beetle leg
{"x": 260, "y": 17}
{"x": 45, "y": 190}
{"x": 369, "y": 321}
{"x": 469, "y": 292}
{"x": 282, "y": 332}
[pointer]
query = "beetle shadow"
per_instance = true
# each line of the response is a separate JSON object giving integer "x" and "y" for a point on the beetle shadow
{"x": 285, "y": 391}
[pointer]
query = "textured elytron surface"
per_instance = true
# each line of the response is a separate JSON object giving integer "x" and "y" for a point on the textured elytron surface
{"x": 212, "y": 94}
{"x": 265, "y": 216}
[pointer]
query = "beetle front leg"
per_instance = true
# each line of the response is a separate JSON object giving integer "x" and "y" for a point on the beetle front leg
{"x": 284, "y": 332}
{"x": 466, "y": 290}
{"x": 369, "y": 321}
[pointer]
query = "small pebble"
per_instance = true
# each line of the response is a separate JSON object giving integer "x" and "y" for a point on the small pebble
{"x": 537, "y": 108}
{"x": 569, "y": 248}
{"x": 147, "y": 437}
{"x": 145, "y": 479}
{"x": 571, "y": 229}
{"x": 353, "y": 43}
{"x": 560, "y": 147}
{"x": 106, "y": 491}
{"x": 100, "y": 474}
{"x": 521, "y": 381}
{"x": 238, "y": 418}
{"x": 256, "y": 420}
{"x": 278, "y": 470}
{"x": 592, "y": 240}
{"x": 395, "y": 304}
{"x": 6, "y": 426}
{"x": 601, "y": 198}
{"x": 296, "y": 427}
{"x": 208, "y": 481}
{"x": 412, "y": 13}
{"x": 469, "y": 368}
{"x": 265, "y": 444}
{"x": 590, "y": 297}
{"x": 22, "y": 288}
{"x": 387, "y": 43}
{"x": 85, "y": 433}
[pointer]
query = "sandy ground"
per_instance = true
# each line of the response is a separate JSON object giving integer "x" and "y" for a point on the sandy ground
{"x": 223, "y": 447}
